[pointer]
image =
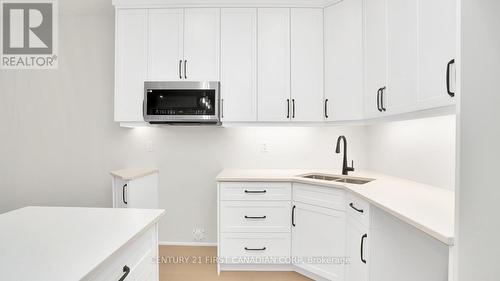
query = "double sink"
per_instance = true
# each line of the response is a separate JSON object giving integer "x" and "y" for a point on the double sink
{"x": 337, "y": 178}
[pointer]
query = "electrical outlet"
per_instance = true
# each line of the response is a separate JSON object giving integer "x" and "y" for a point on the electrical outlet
{"x": 199, "y": 234}
{"x": 149, "y": 146}
{"x": 265, "y": 147}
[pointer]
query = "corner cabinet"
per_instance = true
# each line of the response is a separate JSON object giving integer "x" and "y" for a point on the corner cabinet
{"x": 410, "y": 49}
{"x": 318, "y": 231}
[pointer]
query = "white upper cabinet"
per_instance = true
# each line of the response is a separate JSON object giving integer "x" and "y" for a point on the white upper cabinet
{"x": 438, "y": 29}
{"x": 131, "y": 64}
{"x": 166, "y": 49}
{"x": 307, "y": 64}
{"x": 410, "y": 44}
{"x": 201, "y": 44}
{"x": 354, "y": 60}
{"x": 274, "y": 102}
{"x": 402, "y": 47}
{"x": 344, "y": 61}
{"x": 375, "y": 55}
{"x": 239, "y": 64}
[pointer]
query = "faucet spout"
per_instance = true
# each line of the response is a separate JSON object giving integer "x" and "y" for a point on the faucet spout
{"x": 345, "y": 168}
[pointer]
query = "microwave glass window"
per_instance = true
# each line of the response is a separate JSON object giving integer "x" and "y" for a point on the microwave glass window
{"x": 181, "y": 102}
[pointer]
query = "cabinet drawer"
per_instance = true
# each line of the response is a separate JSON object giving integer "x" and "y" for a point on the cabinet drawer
{"x": 328, "y": 197}
{"x": 269, "y": 247}
{"x": 137, "y": 255}
{"x": 255, "y": 191}
{"x": 358, "y": 208}
{"x": 238, "y": 216}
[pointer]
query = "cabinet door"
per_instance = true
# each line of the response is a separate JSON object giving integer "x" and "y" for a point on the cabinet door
{"x": 344, "y": 61}
{"x": 273, "y": 64}
{"x": 318, "y": 232}
{"x": 437, "y": 48}
{"x": 165, "y": 44}
{"x": 307, "y": 64}
{"x": 402, "y": 46}
{"x": 201, "y": 44}
{"x": 357, "y": 251}
{"x": 131, "y": 64}
{"x": 375, "y": 53}
{"x": 239, "y": 64}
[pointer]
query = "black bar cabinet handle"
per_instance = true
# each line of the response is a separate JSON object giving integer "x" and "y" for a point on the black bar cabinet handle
{"x": 253, "y": 217}
{"x": 358, "y": 210}
{"x": 326, "y": 108}
{"x": 378, "y": 100}
{"x": 126, "y": 271}
{"x": 180, "y": 69}
{"x": 450, "y": 93}
{"x": 293, "y": 215}
{"x": 382, "y": 92}
{"x": 255, "y": 249}
{"x": 293, "y": 108}
{"x": 185, "y": 69}
{"x": 255, "y": 191}
{"x": 362, "y": 246}
{"x": 288, "y": 108}
{"x": 123, "y": 193}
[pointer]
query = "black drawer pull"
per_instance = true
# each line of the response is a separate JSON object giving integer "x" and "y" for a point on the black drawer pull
{"x": 255, "y": 249}
{"x": 253, "y": 217}
{"x": 255, "y": 191}
{"x": 378, "y": 100}
{"x": 382, "y": 93}
{"x": 126, "y": 271}
{"x": 358, "y": 210}
{"x": 362, "y": 246}
{"x": 326, "y": 108}
{"x": 450, "y": 93}
{"x": 124, "y": 189}
{"x": 293, "y": 215}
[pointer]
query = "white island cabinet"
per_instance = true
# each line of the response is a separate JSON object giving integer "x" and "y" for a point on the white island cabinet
{"x": 70, "y": 244}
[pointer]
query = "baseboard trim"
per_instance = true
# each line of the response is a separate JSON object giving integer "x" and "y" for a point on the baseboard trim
{"x": 192, "y": 244}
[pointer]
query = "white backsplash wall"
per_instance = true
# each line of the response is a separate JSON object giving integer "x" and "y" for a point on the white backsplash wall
{"x": 189, "y": 159}
{"x": 422, "y": 150}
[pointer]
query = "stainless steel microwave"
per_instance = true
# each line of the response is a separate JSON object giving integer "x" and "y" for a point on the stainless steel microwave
{"x": 182, "y": 102}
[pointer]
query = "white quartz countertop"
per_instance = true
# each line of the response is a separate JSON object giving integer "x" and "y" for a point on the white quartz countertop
{"x": 62, "y": 244}
{"x": 428, "y": 208}
{"x": 131, "y": 174}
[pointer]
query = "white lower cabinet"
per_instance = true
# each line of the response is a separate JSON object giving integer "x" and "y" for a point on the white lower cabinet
{"x": 141, "y": 192}
{"x": 357, "y": 250}
{"x": 277, "y": 226}
{"x": 254, "y": 225}
{"x": 318, "y": 240}
{"x": 357, "y": 238}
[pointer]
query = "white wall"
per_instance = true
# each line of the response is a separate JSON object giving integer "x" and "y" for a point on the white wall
{"x": 478, "y": 192}
{"x": 190, "y": 158}
{"x": 422, "y": 150}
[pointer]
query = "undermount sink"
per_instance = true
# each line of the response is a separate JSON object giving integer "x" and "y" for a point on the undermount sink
{"x": 335, "y": 178}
